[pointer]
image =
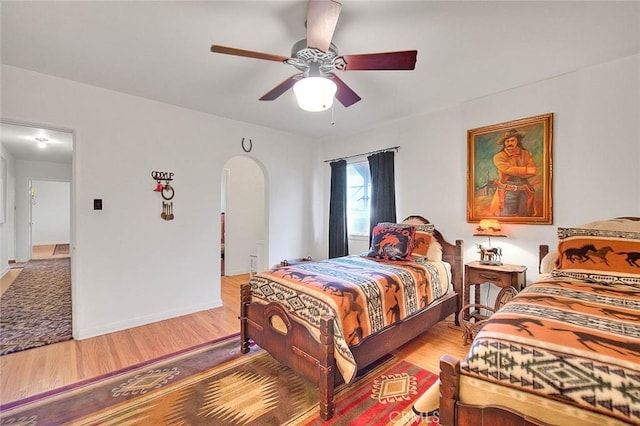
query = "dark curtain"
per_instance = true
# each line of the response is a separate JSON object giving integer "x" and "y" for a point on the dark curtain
{"x": 383, "y": 189}
{"x": 338, "y": 242}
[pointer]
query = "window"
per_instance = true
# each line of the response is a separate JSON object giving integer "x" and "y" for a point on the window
{"x": 358, "y": 196}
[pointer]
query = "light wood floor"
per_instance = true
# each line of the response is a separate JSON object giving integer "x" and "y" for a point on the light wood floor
{"x": 45, "y": 252}
{"x": 37, "y": 370}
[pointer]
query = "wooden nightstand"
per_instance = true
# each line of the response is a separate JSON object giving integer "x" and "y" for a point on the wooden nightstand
{"x": 476, "y": 274}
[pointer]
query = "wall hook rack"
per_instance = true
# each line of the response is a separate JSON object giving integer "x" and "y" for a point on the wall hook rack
{"x": 166, "y": 176}
{"x": 166, "y": 191}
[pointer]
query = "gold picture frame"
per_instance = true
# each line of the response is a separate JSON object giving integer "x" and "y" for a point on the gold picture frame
{"x": 509, "y": 173}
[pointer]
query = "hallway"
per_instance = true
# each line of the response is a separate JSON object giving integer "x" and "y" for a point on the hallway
{"x": 38, "y": 253}
{"x": 48, "y": 252}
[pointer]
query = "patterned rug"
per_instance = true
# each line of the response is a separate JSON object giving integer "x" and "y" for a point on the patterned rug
{"x": 36, "y": 308}
{"x": 61, "y": 249}
{"x": 382, "y": 397}
{"x": 214, "y": 384}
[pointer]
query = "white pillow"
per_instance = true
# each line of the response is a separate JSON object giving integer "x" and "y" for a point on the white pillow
{"x": 548, "y": 262}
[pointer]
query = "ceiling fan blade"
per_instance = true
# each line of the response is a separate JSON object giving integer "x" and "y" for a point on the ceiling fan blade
{"x": 344, "y": 94}
{"x": 247, "y": 53}
{"x": 322, "y": 18}
{"x": 404, "y": 60}
{"x": 281, "y": 88}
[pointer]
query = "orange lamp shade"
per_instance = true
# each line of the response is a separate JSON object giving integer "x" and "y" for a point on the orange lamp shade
{"x": 489, "y": 228}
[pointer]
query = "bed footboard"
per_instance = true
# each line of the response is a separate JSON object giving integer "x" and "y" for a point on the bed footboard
{"x": 271, "y": 328}
{"x": 449, "y": 379}
{"x": 453, "y": 412}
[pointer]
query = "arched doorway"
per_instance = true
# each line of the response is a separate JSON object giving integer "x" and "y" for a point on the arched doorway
{"x": 244, "y": 216}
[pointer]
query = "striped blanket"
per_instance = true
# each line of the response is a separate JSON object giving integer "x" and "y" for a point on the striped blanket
{"x": 570, "y": 342}
{"x": 364, "y": 295}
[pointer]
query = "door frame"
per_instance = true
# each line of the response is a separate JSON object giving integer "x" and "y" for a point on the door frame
{"x": 31, "y": 204}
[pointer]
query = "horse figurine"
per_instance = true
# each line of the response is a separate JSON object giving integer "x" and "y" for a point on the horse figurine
{"x": 490, "y": 255}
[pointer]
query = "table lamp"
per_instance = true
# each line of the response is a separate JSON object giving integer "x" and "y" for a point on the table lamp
{"x": 489, "y": 228}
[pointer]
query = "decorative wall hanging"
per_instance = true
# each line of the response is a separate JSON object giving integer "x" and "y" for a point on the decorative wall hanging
{"x": 510, "y": 170}
{"x": 248, "y": 147}
{"x": 167, "y": 210}
{"x": 167, "y": 192}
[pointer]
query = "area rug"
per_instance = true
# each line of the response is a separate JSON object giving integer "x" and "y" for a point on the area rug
{"x": 384, "y": 396}
{"x": 214, "y": 384}
{"x": 36, "y": 308}
{"x": 61, "y": 249}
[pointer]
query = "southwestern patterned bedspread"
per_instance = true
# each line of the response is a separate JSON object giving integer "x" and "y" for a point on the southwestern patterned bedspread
{"x": 572, "y": 342}
{"x": 364, "y": 295}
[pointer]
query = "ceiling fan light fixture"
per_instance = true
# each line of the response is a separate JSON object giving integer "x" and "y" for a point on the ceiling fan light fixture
{"x": 315, "y": 93}
{"x": 42, "y": 142}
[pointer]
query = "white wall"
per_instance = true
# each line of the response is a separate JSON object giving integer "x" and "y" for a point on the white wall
{"x": 50, "y": 212}
{"x": 129, "y": 266}
{"x": 596, "y": 155}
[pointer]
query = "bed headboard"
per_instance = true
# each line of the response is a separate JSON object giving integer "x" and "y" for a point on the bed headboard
{"x": 543, "y": 250}
{"x": 451, "y": 253}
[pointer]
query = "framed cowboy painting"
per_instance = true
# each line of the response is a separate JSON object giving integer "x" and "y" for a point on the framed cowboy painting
{"x": 509, "y": 171}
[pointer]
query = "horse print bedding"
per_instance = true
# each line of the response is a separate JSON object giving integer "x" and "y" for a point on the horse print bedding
{"x": 364, "y": 295}
{"x": 603, "y": 255}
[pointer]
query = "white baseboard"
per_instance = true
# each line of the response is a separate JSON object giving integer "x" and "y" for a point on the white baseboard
{"x": 149, "y": 319}
{"x": 4, "y": 270}
{"x": 231, "y": 273}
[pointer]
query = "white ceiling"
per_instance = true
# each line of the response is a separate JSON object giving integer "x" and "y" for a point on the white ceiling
{"x": 161, "y": 50}
{"x": 21, "y": 141}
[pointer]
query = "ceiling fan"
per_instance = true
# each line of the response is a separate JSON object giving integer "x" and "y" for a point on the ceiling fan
{"x": 316, "y": 56}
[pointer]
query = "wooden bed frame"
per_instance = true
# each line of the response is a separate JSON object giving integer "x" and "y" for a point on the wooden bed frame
{"x": 453, "y": 412}
{"x": 300, "y": 351}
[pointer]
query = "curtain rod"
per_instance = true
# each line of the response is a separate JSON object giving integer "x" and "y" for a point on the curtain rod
{"x": 365, "y": 153}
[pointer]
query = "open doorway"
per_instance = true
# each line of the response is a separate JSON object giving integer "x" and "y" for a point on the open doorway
{"x": 40, "y": 213}
{"x": 50, "y": 218}
{"x": 244, "y": 213}
{"x": 33, "y": 153}
{"x": 223, "y": 209}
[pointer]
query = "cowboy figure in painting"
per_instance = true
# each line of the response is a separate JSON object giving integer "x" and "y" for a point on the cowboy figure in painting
{"x": 514, "y": 193}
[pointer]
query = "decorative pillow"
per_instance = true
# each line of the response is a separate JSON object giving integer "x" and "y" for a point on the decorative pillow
{"x": 425, "y": 245}
{"x": 392, "y": 242}
{"x": 424, "y": 227}
{"x": 610, "y": 255}
{"x": 619, "y": 224}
